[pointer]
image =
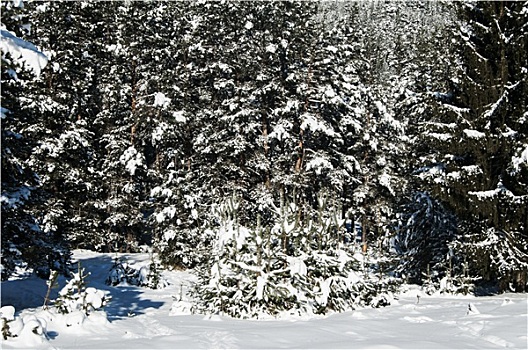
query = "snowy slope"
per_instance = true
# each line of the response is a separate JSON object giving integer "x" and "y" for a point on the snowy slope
{"x": 140, "y": 318}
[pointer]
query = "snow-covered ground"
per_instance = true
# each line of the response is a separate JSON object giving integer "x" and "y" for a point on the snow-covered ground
{"x": 140, "y": 318}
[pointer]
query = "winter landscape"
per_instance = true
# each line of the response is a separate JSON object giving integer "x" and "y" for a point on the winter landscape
{"x": 142, "y": 318}
{"x": 267, "y": 174}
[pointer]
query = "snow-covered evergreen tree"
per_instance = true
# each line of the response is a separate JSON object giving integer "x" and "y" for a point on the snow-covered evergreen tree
{"x": 476, "y": 134}
{"x": 424, "y": 238}
{"x": 181, "y": 177}
{"x": 66, "y": 106}
{"x": 397, "y": 43}
{"x": 151, "y": 114}
{"x": 295, "y": 267}
{"x": 76, "y": 296}
{"x": 24, "y": 242}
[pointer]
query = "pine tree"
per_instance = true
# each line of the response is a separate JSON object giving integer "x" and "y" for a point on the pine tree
{"x": 473, "y": 137}
{"x": 294, "y": 267}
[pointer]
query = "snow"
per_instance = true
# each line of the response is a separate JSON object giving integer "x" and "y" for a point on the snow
{"x": 228, "y": 231}
{"x": 493, "y": 107}
{"x": 22, "y": 52}
{"x": 261, "y": 283}
{"x": 297, "y": 266}
{"x": 141, "y": 318}
{"x": 319, "y": 164}
{"x": 271, "y": 48}
{"x": 440, "y": 136}
{"x": 494, "y": 193}
{"x": 3, "y": 112}
{"x": 314, "y": 124}
{"x": 281, "y": 131}
{"x": 168, "y": 235}
{"x": 332, "y": 49}
{"x": 470, "y": 170}
{"x": 385, "y": 181}
{"x": 7, "y": 312}
{"x": 16, "y": 198}
{"x": 159, "y": 131}
{"x": 474, "y": 134}
{"x": 179, "y": 117}
{"x": 431, "y": 171}
{"x": 167, "y": 212}
{"x": 161, "y": 100}
{"x": 522, "y": 159}
{"x": 132, "y": 159}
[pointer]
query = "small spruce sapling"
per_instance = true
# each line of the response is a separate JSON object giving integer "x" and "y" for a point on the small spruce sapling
{"x": 72, "y": 294}
{"x": 75, "y": 296}
{"x": 154, "y": 279}
{"x": 117, "y": 273}
{"x": 429, "y": 286}
{"x": 144, "y": 277}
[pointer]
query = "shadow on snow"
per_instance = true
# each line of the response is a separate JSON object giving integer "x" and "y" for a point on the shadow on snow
{"x": 126, "y": 300}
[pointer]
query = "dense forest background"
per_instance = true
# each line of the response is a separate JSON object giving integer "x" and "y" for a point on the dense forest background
{"x": 263, "y": 138}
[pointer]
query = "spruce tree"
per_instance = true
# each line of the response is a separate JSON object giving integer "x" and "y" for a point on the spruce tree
{"x": 423, "y": 239}
{"x": 473, "y": 139}
{"x": 67, "y": 155}
{"x": 24, "y": 242}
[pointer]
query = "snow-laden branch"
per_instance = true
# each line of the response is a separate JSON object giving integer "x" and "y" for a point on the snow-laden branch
{"x": 22, "y": 52}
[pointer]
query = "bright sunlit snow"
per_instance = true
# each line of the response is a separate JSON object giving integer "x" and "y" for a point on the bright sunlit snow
{"x": 141, "y": 318}
{"x": 22, "y": 52}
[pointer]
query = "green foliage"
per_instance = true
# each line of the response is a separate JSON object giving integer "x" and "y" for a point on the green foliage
{"x": 120, "y": 272}
{"x": 470, "y": 140}
{"x": 76, "y": 296}
{"x": 257, "y": 272}
{"x": 150, "y": 113}
{"x": 147, "y": 276}
{"x": 154, "y": 278}
{"x": 25, "y": 242}
{"x": 71, "y": 295}
{"x": 423, "y": 239}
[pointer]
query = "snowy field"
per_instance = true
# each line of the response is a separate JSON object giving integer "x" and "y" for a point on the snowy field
{"x": 140, "y": 318}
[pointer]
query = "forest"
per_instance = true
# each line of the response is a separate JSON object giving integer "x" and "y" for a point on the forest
{"x": 291, "y": 153}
